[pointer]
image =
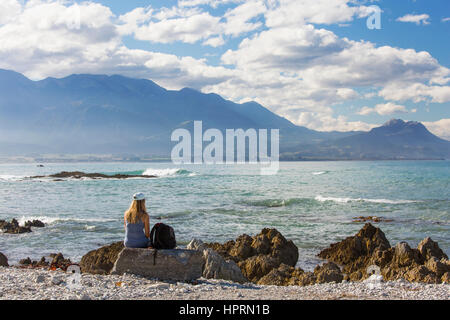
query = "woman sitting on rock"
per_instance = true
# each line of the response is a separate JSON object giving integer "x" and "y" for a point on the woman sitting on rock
{"x": 137, "y": 223}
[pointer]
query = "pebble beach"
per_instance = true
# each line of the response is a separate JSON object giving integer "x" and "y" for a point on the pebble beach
{"x": 38, "y": 284}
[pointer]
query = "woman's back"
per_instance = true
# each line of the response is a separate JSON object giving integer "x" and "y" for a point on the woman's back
{"x": 135, "y": 236}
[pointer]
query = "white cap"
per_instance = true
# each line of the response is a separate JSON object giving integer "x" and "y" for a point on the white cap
{"x": 139, "y": 196}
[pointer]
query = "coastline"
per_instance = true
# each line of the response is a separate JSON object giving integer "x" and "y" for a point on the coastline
{"x": 38, "y": 284}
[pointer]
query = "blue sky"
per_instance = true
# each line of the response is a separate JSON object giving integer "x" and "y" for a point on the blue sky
{"x": 314, "y": 62}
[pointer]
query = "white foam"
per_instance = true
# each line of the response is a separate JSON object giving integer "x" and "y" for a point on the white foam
{"x": 319, "y": 173}
{"x": 168, "y": 172}
{"x": 52, "y": 220}
{"x": 9, "y": 177}
{"x": 346, "y": 200}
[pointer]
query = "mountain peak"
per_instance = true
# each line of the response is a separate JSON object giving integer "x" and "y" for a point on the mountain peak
{"x": 394, "y": 123}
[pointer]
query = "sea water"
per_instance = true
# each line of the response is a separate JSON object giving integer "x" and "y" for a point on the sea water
{"x": 312, "y": 203}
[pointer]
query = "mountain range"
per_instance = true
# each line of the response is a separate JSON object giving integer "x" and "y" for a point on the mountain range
{"x": 118, "y": 115}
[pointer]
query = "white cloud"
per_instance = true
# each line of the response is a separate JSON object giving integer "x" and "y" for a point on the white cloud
{"x": 417, "y": 92}
{"x": 212, "y": 3}
{"x": 440, "y": 128}
{"x": 445, "y": 19}
{"x": 383, "y": 109}
{"x": 286, "y": 63}
{"x": 326, "y": 122}
{"x": 8, "y": 10}
{"x": 291, "y": 13}
{"x": 415, "y": 18}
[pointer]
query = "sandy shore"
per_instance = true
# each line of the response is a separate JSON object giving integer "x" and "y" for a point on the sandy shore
{"x": 18, "y": 283}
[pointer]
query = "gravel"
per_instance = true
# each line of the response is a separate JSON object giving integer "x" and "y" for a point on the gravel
{"x": 36, "y": 284}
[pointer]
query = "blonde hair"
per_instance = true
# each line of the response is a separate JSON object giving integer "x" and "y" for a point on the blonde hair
{"x": 136, "y": 212}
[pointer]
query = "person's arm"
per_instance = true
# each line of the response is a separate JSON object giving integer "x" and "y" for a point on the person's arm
{"x": 125, "y": 222}
{"x": 147, "y": 226}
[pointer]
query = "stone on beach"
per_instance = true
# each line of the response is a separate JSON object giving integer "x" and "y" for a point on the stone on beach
{"x": 215, "y": 266}
{"x": 176, "y": 264}
{"x": 101, "y": 261}
{"x": 3, "y": 260}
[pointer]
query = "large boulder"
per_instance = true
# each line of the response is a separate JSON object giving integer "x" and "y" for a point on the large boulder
{"x": 101, "y": 261}
{"x": 3, "y": 260}
{"x": 258, "y": 255}
{"x": 177, "y": 264}
{"x": 215, "y": 266}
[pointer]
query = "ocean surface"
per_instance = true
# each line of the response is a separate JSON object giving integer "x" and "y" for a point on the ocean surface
{"x": 312, "y": 203}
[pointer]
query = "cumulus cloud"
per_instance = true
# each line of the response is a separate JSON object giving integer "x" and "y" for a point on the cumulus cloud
{"x": 9, "y": 9}
{"x": 415, "y": 18}
{"x": 326, "y": 122}
{"x": 284, "y": 61}
{"x": 384, "y": 109}
{"x": 441, "y": 128}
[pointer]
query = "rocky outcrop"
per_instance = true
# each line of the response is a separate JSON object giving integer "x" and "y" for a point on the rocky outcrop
{"x": 13, "y": 227}
{"x": 215, "y": 266}
{"x": 3, "y": 260}
{"x": 35, "y": 223}
{"x": 258, "y": 255}
{"x": 80, "y": 175}
{"x": 56, "y": 261}
{"x": 176, "y": 264}
{"x": 101, "y": 261}
{"x": 426, "y": 263}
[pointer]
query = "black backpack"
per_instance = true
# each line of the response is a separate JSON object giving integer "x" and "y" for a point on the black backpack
{"x": 162, "y": 236}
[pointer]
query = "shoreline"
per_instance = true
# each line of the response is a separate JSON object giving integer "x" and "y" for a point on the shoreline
{"x": 39, "y": 284}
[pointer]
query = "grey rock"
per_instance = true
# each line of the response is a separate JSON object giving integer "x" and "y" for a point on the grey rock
{"x": 40, "y": 278}
{"x": 177, "y": 264}
{"x": 215, "y": 266}
{"x": 57, "y": 280}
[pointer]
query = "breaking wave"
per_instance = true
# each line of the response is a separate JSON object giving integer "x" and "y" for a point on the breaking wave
{"x": 347, "y": 200}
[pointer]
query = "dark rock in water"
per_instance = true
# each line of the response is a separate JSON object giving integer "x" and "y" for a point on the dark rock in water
{"x": 371, "y": 219}
{"x": 79, "y": 175}
{"x": 369, "y": 247}
{"x": 259, "y": 255}
{"x": 35, "y": 223}
{"x": 3, "y": 260}
{"x": 101, "y": 261}
{"x": 13, "y": 227}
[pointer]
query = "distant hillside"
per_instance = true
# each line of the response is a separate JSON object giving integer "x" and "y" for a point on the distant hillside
{"x": 116, "y": 114}
{"x": 396, "y": 139}
{"x": 101, "y": 114}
